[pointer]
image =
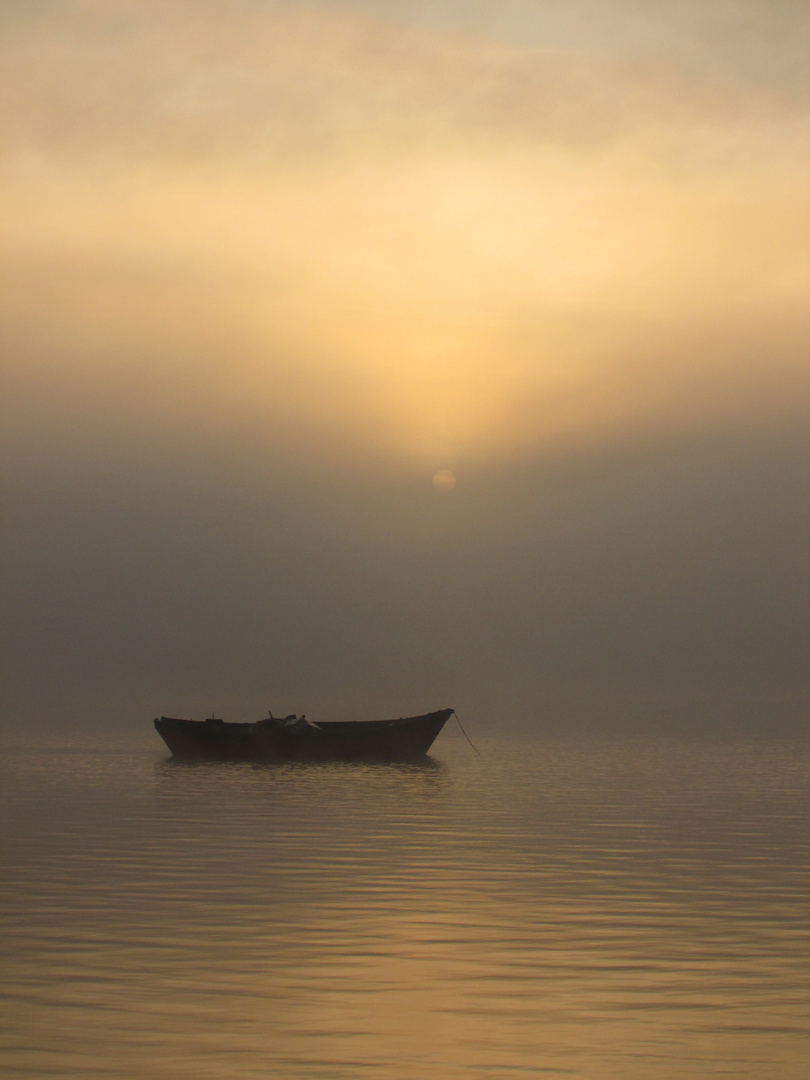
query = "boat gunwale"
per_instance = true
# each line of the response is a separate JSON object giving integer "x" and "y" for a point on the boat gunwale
{"x": 217, "y": 724}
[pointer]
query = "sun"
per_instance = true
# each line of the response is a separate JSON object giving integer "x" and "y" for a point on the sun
{"x": 444, "y": 480}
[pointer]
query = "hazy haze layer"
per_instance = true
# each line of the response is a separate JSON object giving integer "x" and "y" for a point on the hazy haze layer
{"x": 267, "y": 267}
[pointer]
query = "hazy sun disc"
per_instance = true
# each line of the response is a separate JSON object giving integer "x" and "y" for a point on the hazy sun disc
{"x": 444, "y": 480}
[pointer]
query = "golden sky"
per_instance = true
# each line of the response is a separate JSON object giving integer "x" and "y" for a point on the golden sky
{"x": 270, "y": 267}
{"x": 446, "y": 231}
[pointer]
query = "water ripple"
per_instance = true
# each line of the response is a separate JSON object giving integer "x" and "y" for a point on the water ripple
{"x": 606, "y": 911}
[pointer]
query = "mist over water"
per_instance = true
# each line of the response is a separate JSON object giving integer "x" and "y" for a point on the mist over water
{"x": 596, "y": 909}
{"x": 227, "y": 577}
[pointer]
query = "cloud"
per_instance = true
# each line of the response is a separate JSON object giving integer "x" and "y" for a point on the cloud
{"x": 195, "y": 82}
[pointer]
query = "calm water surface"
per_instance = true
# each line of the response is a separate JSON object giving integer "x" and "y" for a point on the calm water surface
{"x": 578, "y": 909}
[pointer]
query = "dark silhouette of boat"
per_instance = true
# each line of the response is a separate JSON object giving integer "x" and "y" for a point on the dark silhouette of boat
{"x": 297, "y": 738}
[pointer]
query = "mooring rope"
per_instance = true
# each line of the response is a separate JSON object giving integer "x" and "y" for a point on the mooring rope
{"x": 466, "y": 736}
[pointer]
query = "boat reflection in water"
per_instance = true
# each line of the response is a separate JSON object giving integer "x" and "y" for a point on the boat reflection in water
{"x": 296, "y": 738}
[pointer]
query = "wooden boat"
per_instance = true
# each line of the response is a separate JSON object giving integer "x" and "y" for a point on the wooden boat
{"x": 296, "y": 738}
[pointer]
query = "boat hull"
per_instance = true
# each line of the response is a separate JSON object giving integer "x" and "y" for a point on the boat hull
{"x": 269, "y": 740}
